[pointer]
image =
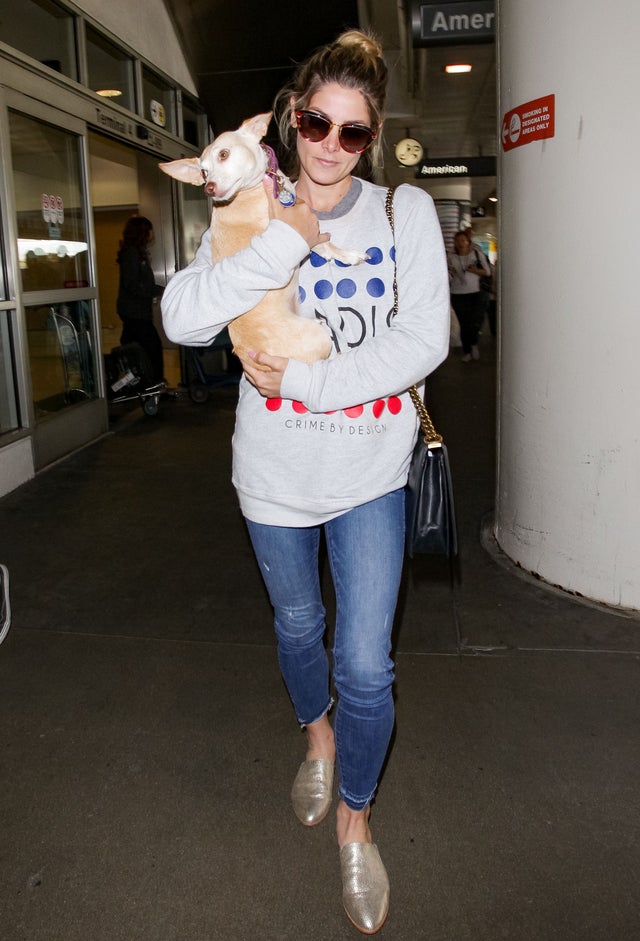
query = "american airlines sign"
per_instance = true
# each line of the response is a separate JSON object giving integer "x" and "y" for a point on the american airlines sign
{"x": 456, "y": 166}
{"x": 436, "y": 24}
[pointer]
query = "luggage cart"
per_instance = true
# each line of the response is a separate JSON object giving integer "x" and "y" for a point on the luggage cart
{"x": 128, "y": 374}
{"x": 5, "y": 606}
{"x": 218, "y": 353}
{"x": 75, "y": 352}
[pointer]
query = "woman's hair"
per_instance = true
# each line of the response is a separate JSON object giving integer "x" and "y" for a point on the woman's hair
{"x": 355, "y": 61}
{"x": 137, "y": 233}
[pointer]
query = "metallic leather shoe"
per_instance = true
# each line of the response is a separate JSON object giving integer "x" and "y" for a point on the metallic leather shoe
{"x": 312, "y": 791}
{"x": 365, "y": 886}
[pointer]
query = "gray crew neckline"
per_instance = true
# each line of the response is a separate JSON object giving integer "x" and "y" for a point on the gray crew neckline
{"x": 347, "y": 202}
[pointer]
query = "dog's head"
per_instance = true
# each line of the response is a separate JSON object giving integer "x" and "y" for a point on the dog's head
{"x": 234, "y": 161}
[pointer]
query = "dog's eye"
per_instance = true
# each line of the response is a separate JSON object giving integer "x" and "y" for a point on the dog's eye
{"x": 204, "y": 175}
{"x": 223, "y": 154}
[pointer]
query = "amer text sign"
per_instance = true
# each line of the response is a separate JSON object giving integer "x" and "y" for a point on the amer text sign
{"x": 435, "y": 24}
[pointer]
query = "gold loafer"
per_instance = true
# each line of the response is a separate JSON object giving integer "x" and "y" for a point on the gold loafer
{"x": 312, "y": 791}
{"x": 365, "y": 886}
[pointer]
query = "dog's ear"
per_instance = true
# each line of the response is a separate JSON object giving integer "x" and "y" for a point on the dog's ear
{"x": 186, "y": 170}
{"x": 257, "y": 126}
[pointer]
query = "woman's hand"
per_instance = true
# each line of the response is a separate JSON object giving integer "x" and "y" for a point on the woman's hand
{"x": 299, "y": 216}
{"x": 265, "y": 372}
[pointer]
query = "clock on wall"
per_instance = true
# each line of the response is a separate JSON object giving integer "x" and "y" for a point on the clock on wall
{"x": 409, "y": 152}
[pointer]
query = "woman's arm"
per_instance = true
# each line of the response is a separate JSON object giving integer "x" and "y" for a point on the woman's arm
{"x": 418, "y": 338}
{"x": 201, "y": 299}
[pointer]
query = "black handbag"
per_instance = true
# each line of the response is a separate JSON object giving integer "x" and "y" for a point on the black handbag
{"x": 429, "y": 505}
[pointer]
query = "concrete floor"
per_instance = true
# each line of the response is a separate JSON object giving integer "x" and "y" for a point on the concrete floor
{"x": 148, "y": 746}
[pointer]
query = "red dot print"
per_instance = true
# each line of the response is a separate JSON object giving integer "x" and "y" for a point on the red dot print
{"x": 299, "y": 408}
{"x": 355, "y": 411}
{"x": 394, "y": 404}
{"x": 378, "y": 408}
{"x": 273, "y": 404}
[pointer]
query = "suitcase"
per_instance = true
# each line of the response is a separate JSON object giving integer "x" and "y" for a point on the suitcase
{"x": 127, "y": 370}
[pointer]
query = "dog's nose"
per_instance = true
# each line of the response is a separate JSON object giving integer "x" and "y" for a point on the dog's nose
{"x": 210, "y": 189}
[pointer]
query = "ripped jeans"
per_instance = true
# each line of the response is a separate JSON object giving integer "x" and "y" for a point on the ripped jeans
{"x": 365, "y": 548}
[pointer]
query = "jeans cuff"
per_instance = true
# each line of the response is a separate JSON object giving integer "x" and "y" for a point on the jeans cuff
{"x": 355, "y": 803}
{"x": 324, "y": 712}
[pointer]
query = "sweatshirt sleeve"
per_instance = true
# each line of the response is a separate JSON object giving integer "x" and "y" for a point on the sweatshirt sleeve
{"x": 418, "y": 338}
{"x": 201, "y": 299}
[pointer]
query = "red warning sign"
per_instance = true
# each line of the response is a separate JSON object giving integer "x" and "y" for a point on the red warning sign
{"x": 532, "y": 121}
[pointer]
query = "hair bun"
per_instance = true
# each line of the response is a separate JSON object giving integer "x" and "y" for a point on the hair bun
{"x": 367, "y": 42}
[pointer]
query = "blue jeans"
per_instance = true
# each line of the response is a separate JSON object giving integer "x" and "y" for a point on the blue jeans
{"x": 365, "y": 547}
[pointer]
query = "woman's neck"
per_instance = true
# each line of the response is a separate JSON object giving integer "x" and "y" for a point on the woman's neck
{"x": 323, "y": 198}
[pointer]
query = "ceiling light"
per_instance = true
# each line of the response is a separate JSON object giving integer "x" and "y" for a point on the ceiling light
{"x": 108, "y": 92}
{"x": 455, "y": 69}
{"x": 493, "y": 199}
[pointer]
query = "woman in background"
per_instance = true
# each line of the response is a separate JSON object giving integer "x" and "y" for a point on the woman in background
{"x": 137, "y": 291}
{"x": 466, "y": 267}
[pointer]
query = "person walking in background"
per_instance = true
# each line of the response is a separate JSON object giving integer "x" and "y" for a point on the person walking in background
{"x": 465, "y": 270}
{"x": 485, "y": 282}
{"x": 325, "y": 447}
{"x": 137, "y": 291}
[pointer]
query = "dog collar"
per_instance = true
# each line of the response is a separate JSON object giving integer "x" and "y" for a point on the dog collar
{"x": 280, "y": 189}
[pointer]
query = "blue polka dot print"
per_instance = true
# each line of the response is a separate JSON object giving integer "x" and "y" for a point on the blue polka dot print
{"x": 375, "y": 256}
{"x": 323, "y": 289}
{"x": 375, "y": 287}
{"x": 346, "y": 288}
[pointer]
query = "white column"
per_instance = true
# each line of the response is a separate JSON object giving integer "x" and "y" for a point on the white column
{"x": 568, "y": 491}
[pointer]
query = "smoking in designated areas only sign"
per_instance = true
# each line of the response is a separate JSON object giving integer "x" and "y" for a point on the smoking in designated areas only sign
{"x": 531, "y": 121}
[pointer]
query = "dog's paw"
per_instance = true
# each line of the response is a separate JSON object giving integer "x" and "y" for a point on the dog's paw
{"x": 345, "y": 255}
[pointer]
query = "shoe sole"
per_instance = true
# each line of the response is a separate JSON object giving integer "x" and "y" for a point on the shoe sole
{"x": 365, "y": 930}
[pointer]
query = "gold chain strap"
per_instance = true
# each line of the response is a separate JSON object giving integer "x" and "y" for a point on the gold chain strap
{"x": 431, "y": 436}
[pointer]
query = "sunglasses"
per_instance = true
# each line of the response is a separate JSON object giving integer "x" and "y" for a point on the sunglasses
{"x": 314, "y": 127}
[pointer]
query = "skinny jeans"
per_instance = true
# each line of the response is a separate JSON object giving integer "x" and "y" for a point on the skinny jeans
{"x": 365, "y": 548}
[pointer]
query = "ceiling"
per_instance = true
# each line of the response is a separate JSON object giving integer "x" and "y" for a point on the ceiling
{"x": 241, "y": 54}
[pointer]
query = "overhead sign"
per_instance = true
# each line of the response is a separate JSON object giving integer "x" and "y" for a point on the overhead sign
{"x": 437, "y": 24}
{"x": 121, "y": 126}
{"x": 529, "y": 122}
{"x": 443, "y": 167}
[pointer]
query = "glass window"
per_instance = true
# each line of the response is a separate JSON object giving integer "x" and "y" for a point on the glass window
{"x": 52, "y": 235}
{"x": 60, "y": 355}
{"x": 43, "y": 30}
{"x": 192, "y": 122}
{"x": 195, "y": 220}
{"x": 158, "y": 100}
{"x": 109, "y": 70}
{"x": 9, "y": 417}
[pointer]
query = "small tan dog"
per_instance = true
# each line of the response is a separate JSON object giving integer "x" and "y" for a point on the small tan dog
{"x": 232, "y": 170}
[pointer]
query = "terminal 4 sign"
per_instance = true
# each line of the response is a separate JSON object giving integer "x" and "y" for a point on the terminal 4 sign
{"x": 461, "y": 21}
{"x": 443, "y": 167}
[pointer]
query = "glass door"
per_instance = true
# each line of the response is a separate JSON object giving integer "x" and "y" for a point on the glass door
{"x": 55, "y": 281}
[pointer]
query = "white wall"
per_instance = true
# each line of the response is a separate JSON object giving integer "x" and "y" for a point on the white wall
{"x": 568, "y": 494}
{"x": 147, "y": 28}
{"x": 16, "y": 465}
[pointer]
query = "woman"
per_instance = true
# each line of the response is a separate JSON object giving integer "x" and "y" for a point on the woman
{"x": 466, "y": 267}
{"x": 136, "y": 293}
{"x": 326, "y": 447}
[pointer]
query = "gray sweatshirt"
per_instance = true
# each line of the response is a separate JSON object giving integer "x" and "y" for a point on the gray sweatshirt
{"x": 343, "y": 431}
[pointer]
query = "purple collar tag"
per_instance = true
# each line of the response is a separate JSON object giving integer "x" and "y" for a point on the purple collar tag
{"x": 272, "y": 167}
{"x": 280, "y": 189}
